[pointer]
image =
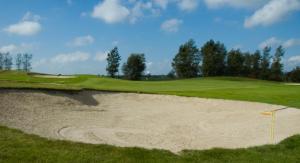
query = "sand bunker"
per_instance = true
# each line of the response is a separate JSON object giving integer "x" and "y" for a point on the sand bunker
{"x": 292, "y": 84}
{"x": 54, "y": 76}
{"x": 149, "y": 121}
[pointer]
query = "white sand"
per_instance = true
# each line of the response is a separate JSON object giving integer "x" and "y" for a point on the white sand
{"x": 292, "y": 84}
{"x": 54, "y": 76}
{"x": 150, "y": 121}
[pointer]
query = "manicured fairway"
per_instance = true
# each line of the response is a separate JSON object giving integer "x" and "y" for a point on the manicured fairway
{"x": 219, "y": 87}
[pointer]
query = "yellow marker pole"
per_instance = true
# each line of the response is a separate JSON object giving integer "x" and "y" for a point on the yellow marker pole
{"x": 273, "y": 127}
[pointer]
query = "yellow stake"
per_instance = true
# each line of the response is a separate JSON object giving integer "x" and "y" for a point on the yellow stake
{"x": 273, "y": 127}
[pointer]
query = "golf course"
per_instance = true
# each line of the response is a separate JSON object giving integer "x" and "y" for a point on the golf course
{"x": 154, "y": 81}
{"x": 49, "y": 118}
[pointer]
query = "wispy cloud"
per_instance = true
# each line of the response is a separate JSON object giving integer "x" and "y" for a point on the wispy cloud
{"x": 273, "y": 41}
{"x": 70, "y": 57}
{"x": 101, "y": 56}
{"x": 274, "y": 11}
{"x": 188, "y": 5}
{"x": 13, "y": 48}
{"x": 82, "y": 41}
{"x": 171, "y": 25}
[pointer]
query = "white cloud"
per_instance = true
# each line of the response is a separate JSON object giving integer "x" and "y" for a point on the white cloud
{"x": 291, "y": 42}
{"x": 161, "y": 3}
{"x": 188, "y": 5}
{"x": 274, "y": 11}
{"x": 82, "y": 41}
{"x": 70, "y": 57}
{"x": 171, "y": 25}
{"x": 25, "y": 28}
{"x": 139, "y": 9}
{"x": 294, "y": 59}
{"x": 12, "y": 48}
{"x": 8, "y": 48}
{"x": 110, "y": 11}
{"x": 273, "y": 41}
{"x": 28, "y": 26}
{"x": 292, "y": 62}
{"x": 234, "y": 3}
{"x": 31, "y": 17}
{"x": 101, "y": 56}
{"x": 184, "y": 5}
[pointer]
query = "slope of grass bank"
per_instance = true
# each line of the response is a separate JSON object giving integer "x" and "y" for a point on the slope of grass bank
{"x": 218, "y": 87}
{"x": 16, "y": 146}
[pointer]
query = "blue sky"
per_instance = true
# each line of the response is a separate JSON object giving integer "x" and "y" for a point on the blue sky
{"x": 73, "y": 36}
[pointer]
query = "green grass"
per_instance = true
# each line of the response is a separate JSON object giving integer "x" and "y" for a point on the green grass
{"x": 217, "y": 87}
{"x": 16, "y": 146}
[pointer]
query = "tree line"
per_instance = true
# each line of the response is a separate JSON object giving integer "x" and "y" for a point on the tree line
{"x": 212, "y": 59}
{"x": 22, "y": 62}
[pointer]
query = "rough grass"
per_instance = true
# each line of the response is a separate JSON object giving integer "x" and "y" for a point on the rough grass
{"x": 16, "y": 146}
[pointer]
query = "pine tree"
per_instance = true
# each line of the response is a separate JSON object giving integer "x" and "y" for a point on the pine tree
{"x": 277, "y": 66}
{"x": 256, "y": 62}
{"x": 235, "y": 62}
{"x": 265, "y": 64}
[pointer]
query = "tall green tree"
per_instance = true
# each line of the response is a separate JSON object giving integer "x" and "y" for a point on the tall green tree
{"x": 1, "y": 61}
{"x": 235, "y": 62}
{"x": 113, "y": 62}
{"x": 134, "y": 67}
{"x": 265, "y": 63}
{"x": 7, "y": 61}
{"x": 294, "y": 75}
{"x": 277, "y": 66}
{"x": 187, "y": 60}
{"x": 256, "y": 62}
{"x": 19, "y": 59}
{"x": 26, "y": 62}
{"x": 213, "y": 55}
{"x": 247, "y": 65}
